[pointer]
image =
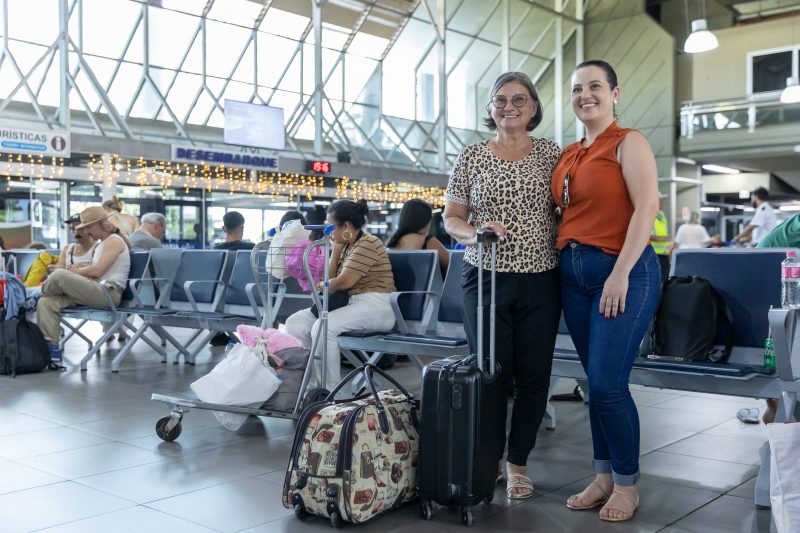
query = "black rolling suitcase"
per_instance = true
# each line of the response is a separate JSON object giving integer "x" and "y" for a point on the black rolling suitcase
{"x": 460, "y": 431}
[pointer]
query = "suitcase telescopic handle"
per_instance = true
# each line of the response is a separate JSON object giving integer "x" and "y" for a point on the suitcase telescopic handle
{"x": 483, "y": 236}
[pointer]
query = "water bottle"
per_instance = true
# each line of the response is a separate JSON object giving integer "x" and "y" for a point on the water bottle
{"x": 790, "y": 280}
{"x": 229, "y": 346}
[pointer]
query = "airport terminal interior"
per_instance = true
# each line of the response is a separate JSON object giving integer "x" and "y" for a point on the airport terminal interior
{"x": 212, "y": 111}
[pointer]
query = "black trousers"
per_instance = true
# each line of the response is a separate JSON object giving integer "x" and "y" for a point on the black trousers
{"x": 526, "y": 325}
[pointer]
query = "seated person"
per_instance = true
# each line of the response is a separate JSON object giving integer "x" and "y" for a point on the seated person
{"x": 78, "y": 253}
{"x": 125, "y": 222}
{"x": 360, "y": 266}
{"x": 233, "y": 226}
{"x": 288, "y": 216}
{"x": 412, "y": 231}
{"x": 149, "y": 234}
{"x": 80, "y": 285}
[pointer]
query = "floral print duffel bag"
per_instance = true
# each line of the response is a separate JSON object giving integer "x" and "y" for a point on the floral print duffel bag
{"x": 354, "y": 459}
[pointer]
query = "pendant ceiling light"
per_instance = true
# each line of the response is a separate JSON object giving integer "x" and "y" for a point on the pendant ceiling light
{"x": 700, "y": 39}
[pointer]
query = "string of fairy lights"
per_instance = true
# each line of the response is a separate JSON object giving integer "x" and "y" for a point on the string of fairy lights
{"x": 216, "y": 178}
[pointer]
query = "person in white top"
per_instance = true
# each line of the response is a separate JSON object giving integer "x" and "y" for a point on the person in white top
{"x": 762, "y": 222}
{"x": 691, "y": 234}
{"x": 78, "y": 253}
{"x": 81, "y": 285}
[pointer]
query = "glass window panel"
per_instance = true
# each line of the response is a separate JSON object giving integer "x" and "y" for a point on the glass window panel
{"x": 244, "y": 72}
{"x": 224, "y": 43}
{"x": 358, "y": 83}
{"x": 279, "y": 22}
{"x": 33, "y": 20}
{"x": 472, "y": 15}
{"x": 195, "y": 7}
{"x": 86, "y": 90}
{"x": 102, "y": 38}
{"x": 170, "y": 34}
{"x": 242, "y": 12}
{"x": 201, "y": 109}
{"x": 367, "y": 45}
{"x": 333, "y": 87}
{"x": 217, "y": 119}
{"x": 333, "y": 36}
{"x": 456, "y": 44}
{"x": 182, "y": 93}
{"x": 273, "y": 55}
{"x": 288, "y": 101}
{"x": 146, "y": 104}
{"x": 771, "y": 70}
{"x": 308, "y": 69}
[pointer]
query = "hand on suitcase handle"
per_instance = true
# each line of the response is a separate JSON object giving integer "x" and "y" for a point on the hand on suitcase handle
{"x": 491, "y": 231}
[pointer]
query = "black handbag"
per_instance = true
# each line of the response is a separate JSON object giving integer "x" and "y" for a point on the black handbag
{"x": 336, "y": 300}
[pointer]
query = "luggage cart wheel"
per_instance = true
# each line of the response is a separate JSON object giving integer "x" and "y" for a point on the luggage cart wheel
{"x": 467, "y": 517}
{"x": 336, "y": 520}
{"x": 426, "y": 509}
{"x": 300, "y": 511}
{"x": 315, "y": 395}
{"x": 168, "y": 429}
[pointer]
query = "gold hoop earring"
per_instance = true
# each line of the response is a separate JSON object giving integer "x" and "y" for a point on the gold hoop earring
{"x": 349, "y": 235}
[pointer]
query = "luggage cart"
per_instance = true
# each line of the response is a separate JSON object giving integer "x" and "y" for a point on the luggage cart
{"x": 169, "y": 427}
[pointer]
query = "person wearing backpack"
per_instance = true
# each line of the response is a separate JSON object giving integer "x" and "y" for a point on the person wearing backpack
{"x": 81, "y": 285}
{"x": 606, "y": 187}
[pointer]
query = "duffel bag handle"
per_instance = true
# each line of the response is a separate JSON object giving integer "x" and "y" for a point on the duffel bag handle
{"x": 368, "y": 370}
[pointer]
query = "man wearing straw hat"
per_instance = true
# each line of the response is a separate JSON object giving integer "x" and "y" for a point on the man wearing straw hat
{"x": 82, "y": 284}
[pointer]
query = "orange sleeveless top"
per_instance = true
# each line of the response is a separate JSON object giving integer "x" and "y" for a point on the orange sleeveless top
{"x": 599, "y": 209}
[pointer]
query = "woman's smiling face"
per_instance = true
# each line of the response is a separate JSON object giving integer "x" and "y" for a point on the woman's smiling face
{"x": 592, "y": 96}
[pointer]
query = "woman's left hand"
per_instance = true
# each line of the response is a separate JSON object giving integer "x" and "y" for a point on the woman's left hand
{"x": 612, "y": 301}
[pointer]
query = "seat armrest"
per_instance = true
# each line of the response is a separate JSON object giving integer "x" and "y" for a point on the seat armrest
{"x": 786, "y": 339}
{"x": 187, "y": 288}
{"x": 394, "y": 301}
{"x": 250, "y": 291}
{"x": 162, "y": 284}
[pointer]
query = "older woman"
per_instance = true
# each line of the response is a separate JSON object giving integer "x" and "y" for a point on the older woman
{"x": 503, "y": 184}
{"x": 359, "y": 265}
{"x": 606, "y": 187}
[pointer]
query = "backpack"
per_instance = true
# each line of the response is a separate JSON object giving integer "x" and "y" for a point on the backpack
{"x": 685, "y": 325}
{"x": 23, "y": 349}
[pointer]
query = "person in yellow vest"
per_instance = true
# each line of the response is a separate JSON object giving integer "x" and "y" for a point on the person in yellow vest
{"x": 659, "y": 237}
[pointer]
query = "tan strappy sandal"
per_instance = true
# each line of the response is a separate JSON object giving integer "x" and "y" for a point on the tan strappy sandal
{"x": 519, "y": 481}
{"x": 593, "y": 505}
{"x": 625, "y": 514}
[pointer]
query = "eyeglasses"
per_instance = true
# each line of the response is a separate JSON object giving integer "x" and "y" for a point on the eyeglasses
{"x": 518, "y": 100}
{"x": 565, "y": 192}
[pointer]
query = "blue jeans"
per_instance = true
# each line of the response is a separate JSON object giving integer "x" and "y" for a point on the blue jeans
{"x": 607, "y": 349}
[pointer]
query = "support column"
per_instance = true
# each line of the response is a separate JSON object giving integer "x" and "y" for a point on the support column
{"x": 505, "y": 37}
{"x": 63, "y": 28}
{"x": 109, "y": 178}
{"x": 316, "y": 20}
{"x": 558, "y": 78}
{"x": 579, "y": 57}
{"x": 441, "y": 23}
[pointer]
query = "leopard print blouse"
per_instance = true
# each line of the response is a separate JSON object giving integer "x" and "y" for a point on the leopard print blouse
{"x": 515, "y": 193}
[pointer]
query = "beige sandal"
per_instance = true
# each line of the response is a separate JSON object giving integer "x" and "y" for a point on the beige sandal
{"x": 625, "y": 514}
{"x": 593, "y": 505}
{"x": 519, "y": 481}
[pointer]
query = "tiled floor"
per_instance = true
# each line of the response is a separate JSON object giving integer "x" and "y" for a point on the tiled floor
{"x": 78, "y": 453}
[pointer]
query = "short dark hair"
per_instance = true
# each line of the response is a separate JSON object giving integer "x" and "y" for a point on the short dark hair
{"x": 232, "y": 220}
{"x": 522, "y": 78}
{"x": 415, "y": 215}
{"x": 761, "y": 193}
{"x": 292, "y": 215}
{"x": 349, "y": 211}
{"x": 611, "y": 75}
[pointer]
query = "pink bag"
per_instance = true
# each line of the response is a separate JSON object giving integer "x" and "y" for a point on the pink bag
{"x": 294, "y": 264}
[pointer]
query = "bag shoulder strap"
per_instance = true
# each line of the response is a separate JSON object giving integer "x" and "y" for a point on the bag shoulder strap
{"x": 12, "y": 355}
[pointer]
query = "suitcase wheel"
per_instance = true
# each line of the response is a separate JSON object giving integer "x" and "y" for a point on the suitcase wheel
{"x": 336, "y": 520}
{"x": 314, "y": 395}
{"x": 300, "y": 512}
{"x": 467, "y": 517}
{"x": 426, "y": 510}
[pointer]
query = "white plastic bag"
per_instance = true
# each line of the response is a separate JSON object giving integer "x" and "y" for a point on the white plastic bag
{"x": 244, "y": 379}
{"x": 289, "y": 236}
{"x": 784, "y": 475}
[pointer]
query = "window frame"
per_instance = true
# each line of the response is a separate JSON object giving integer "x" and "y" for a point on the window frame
{"x": 794, "y": 49}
